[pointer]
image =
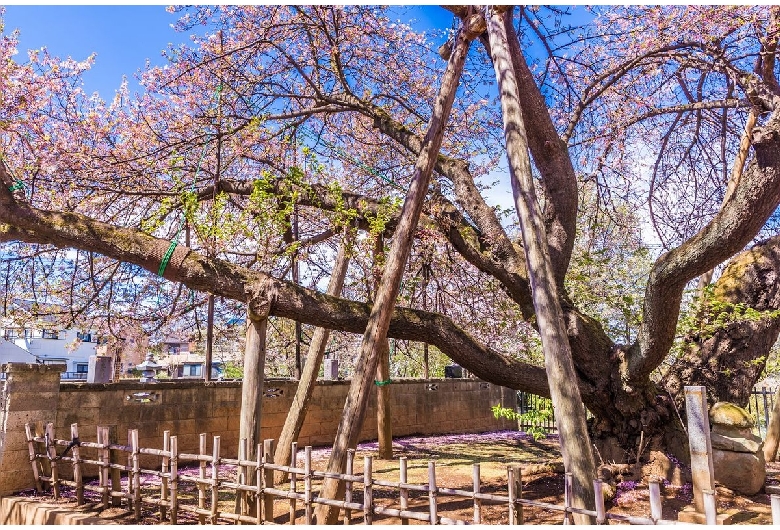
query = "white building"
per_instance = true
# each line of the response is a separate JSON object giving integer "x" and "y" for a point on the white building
{"x": 70, "y": 347}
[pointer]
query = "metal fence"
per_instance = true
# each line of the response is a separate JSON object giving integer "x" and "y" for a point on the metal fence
{"x": 760, "y": 406}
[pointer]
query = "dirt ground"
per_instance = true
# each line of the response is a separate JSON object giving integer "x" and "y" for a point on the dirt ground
{"x": 454, "y": 456}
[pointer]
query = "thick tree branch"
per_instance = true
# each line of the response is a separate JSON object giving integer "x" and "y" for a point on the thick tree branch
{"x": 72, "y": 230}
{"x": 755, "y": 198}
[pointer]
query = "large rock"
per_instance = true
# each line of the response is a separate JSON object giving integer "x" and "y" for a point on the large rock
{"x": 731, "y": 415}
{"x": 744, "y": 473}
{"x": 737, "y": 453}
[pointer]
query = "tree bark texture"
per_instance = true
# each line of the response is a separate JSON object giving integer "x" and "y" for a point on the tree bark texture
{"x": 565, "y": 395}
{"x": 302, "y": 399}
{"x": 381, "y": 312}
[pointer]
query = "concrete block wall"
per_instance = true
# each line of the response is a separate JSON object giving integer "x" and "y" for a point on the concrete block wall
{"x": 188, "y": 408}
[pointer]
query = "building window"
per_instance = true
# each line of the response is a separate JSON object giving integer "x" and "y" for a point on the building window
{"x": 82, "y": 368}
{"x": 50, "y": 334}
{"x": 84, "y": 337}
{"x": 193, "y": 370}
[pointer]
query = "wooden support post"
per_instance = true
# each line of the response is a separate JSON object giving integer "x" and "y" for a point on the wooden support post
{"x": 29, "y": 429}
{"x": 475, "y": 475}
{"x": 307, "y": 491}
{"x": 268, "y": 480}
{"x": 78, "y": 477}
{"x": 567, "y": 481}
{"x": 51, "y": 450}
{"x": 293, "y": 479}
{"x": 368, "y": 492}
{"x": 348, "y": 485}
{"x": 516, "y": 493}
{"x": 215, "y": 479}
{"x": 404, "y": 493}
{"x": 775, "y": 501}
{"x": 111, "y": 435}
{"x": 432, "y": 489}
{"x": 136, "y": 474}
{"x": 601, "y": 512}
{"x": 202, "y": 477}
{"x": 174, "y": 482}
{"x": 656, "y": 510}
{"x": 164, "y": 474}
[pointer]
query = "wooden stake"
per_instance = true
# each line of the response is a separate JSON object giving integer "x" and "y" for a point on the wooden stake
{"x": 348, "y": 485}
{"x": 102, "y": 435}
{"x": 136, "y": 473}
{"x": 307, "y": 491}
{"x": 215, "y": 480}
{"x": 368, "y": 492}
{"x": 52, "y": 452}
{"x": 510, "y": 473}
{"x": 164, "y": 474}
{"x": 567, "y": 518}
{"x": 775, "y": 500}
{"x": 241, "y": 504}
{"x": 293, "y": 478}
{"x": 174, "y": 482}
{"x": 432, "y": 492}
{"x": 268, "y": 479}
{"x": 29, "y": 429}
{"x": 477, "y": 488}
{"x": 710, "y": 507}
{"x": 77, "y": 471}
{"x": 111, "y": 435}
{"x": 598, "y": 488}
{"x": 404, "y": 493}
{"x": 202, "y": 477}
{"x": 655, "y": 501}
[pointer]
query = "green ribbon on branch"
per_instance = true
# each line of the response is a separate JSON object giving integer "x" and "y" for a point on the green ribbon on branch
{"x": 166, "y": 258}
{"x": 18, "y": 185}
{"x": 383, "y": 383}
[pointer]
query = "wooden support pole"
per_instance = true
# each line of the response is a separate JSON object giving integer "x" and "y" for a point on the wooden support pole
{"x": 774, "y": 499}
{"x": 368, "y": 491}
{"x": 259, "y": 491}
{"x": 432, "y": 489}
{"x": 307, "y": 486}
{"x": 174, "y": 481}
{"x": 404, "y": 493}
{"x": 78, "y": 477}
{"x": 164, "y": 470}
{"x": 656, "y": 509}
{"x": 518, "y": 481}
{"x": 475, "y": 475}
{"x": 29, "y": 429}
{"x": 51, "y": 450}
{"x": 254, "y": 379}
{"x": 384, "y": 302}
{"x": 601, "y": 512}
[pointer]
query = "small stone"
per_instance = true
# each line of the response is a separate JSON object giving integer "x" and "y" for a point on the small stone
{"x": 724, "y": 413}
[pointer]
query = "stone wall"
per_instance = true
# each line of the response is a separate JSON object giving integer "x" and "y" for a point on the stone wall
{"x": 188, "y": 408}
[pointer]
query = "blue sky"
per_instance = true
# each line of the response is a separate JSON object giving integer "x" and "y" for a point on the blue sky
{"x": 124, "y": 37}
